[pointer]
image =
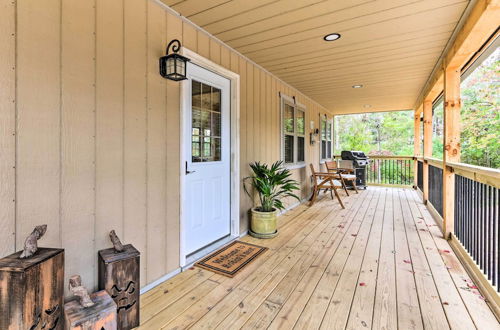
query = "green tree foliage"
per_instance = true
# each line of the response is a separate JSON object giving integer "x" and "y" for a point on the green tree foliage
{"x": 437, "y": 130}
{"x": 480, "y": 117}
{"x": 380, "y": 133}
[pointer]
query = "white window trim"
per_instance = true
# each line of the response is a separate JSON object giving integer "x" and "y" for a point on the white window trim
{"x": 329, "y": 120}
{"x": 296, "y": 106}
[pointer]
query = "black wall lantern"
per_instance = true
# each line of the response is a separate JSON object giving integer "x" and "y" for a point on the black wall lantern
{"x": 173, "y": 66}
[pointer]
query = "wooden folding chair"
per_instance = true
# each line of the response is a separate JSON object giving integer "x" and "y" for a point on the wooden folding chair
{"x": 343, "y": 174}
{"x": 324, "y": 181}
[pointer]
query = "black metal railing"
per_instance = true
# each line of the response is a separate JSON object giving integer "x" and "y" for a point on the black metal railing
{"x": 436, "y": 188}
{"x": 420, "y": 175}
{"x": 477, "y": 224}
{"x": 393, "y": 171}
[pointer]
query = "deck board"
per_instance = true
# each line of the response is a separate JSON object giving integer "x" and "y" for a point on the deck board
{"x": 379, "y": 263}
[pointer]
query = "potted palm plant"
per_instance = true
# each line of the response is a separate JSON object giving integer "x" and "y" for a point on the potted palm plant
{"x": 271, "y": 184}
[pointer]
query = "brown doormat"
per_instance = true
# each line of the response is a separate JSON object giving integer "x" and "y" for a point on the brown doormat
{"x": 232, "y": 258}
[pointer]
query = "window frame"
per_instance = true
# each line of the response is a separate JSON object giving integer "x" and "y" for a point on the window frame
{"x": 328, "y": 120}
{"x": 286, "y": 100}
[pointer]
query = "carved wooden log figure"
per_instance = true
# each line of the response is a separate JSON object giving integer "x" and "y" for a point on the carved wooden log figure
{"x": 101, "y": 315}
{"x": 76, "y": 287}
{"x": 32, "y": 290}
{"x": 119, "y": 276}
{"x": 31, "y": 243}
{"x": 117, "y": 244}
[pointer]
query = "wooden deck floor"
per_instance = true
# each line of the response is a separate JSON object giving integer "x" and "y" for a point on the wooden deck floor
{"x": 380, "y": 263}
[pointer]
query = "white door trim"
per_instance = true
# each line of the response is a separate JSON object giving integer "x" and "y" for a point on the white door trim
{"x": 235, "y": 146}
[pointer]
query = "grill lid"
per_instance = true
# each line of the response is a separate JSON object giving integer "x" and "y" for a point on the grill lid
{"x": 353, "y": 155}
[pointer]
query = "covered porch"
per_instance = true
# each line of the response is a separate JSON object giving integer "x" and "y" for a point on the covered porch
{"x": 381, "y": 263}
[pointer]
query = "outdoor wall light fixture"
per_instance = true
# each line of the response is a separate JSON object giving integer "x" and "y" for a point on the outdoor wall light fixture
{"x": 173, "y": 66}
{"x": 331, "y": 37}
{"x": 313, "y": 134}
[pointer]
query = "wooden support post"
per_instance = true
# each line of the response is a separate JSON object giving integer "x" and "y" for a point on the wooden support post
{"x": 451, "y": 144}
{"x": 427, "y": 108}
{"x": 416, "y": 144}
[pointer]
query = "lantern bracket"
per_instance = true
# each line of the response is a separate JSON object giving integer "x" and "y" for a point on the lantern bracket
{"x": 175, "y": 44}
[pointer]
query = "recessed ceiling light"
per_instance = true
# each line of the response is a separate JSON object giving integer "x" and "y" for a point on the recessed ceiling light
{"x": 331, "y": 37}
{"x": 367, "y": 106}
{"x": 357, "y": 86}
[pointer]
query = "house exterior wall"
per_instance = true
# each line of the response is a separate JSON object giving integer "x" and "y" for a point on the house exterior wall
{"x": 89, "y": 131}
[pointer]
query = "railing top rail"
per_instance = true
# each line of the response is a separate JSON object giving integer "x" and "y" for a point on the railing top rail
{"x": 382, "y": 157}
{"x": 493, "y": 172}
{"x": 486, "y": 175}
{"x": 389, "y": 157}
{"x": 434, "y": 161}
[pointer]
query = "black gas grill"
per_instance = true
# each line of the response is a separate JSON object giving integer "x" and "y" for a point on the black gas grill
{"x": 358, "y": 161}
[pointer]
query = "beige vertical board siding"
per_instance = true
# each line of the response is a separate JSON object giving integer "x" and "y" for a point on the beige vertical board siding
{"x": 215, "y": 50}
{"x": 189, "y": 36}
{"x": 157, "y": 145}
{"x": 250, "y": 142}
{"x": 225, "y": 59}
{"x": 257, "y": 109}
{"x": 250, "y": 111}
{"x": 245, "y": 202}
{"x": 77, "y": 138}
{"x": 7, "y": 126}
{"x": 174, "y": 31}
{"x": 271, "y": 132}
{"x": 109, "y": 121}
{"x": 275, "y": 110}
{"x": 203, "y": 44}
{"x": 38, "y": 119}
{"x": 135, "y": 127}
{"x": 263, "y": 117}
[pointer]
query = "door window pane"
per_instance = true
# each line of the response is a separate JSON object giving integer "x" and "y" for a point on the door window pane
{"x": 215, "y": 99}
{"x": 196, "y": 94}
{"x": 206, "y": 123}
{"x": 216, "y": 122}
{"x": 206, "y": 98}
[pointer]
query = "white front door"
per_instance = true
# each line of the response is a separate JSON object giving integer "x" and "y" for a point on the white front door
{"x": 207, "y": 166}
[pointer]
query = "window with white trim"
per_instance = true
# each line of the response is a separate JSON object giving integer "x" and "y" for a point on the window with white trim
{"x": 326, "y": 133}
{"x": 293, "y": 132}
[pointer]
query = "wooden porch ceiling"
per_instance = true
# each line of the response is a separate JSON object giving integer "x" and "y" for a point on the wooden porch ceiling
{"x": 379, "y": 263}
{"x": 388, "y": 46}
